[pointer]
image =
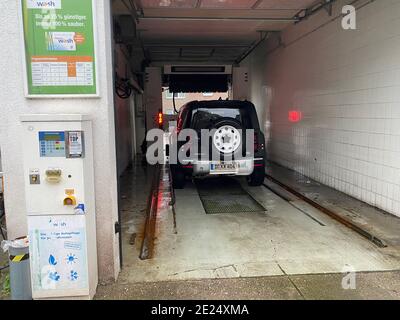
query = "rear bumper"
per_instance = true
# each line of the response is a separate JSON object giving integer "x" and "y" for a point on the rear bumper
{"x": 202, "y": 168}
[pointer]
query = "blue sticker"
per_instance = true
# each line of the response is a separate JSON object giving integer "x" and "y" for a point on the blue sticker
{"x": 52, "y": 260}
{"x": 73, "y": 275}
{"x": 71, "y": 258}
{"x": 80, "y": 209}
{"x": 54, "y": 276}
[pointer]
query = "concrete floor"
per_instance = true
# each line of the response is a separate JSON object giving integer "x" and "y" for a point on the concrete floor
{"x": 3, "y": 273}
{"x": 290, "y": 251}
{"x": 283, "y": 240}
{"x": 373, "y": 286}
{"x": 375, "y": 221}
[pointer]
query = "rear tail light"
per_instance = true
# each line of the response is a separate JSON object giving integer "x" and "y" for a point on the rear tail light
{"x": 160, "y": 119}
{"x": 256, "y": 142}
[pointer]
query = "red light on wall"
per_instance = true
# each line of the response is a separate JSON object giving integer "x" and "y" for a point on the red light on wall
{"x": 295, "y": 116}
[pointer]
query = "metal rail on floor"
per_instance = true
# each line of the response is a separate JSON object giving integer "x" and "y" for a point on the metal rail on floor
{"x": 330, "y": 213}
{"x": 173, "y": 197}
{"x": 146, "y": 251}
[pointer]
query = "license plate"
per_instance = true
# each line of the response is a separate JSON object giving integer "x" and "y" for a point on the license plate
{"x": 224, "y": 167}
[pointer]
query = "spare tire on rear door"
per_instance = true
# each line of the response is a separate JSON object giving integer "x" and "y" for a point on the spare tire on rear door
{"x": 228, "y": 136}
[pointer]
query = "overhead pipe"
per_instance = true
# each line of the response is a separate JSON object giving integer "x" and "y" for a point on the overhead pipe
{"x": 294, "y": 19}
{"x": 256, "y": 4}
{"x": 131, "y": 10}
{"x": 341, "y": 15}
{"x": 153, "y": 45}
{"x": 314, "y": 8}
{"x": 263, "y": 36}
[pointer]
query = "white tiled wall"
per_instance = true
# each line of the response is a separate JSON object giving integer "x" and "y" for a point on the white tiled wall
{"x": 346, "y": 84}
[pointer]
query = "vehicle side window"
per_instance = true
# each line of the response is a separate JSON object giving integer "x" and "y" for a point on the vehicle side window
{"x": 182, "y": 118}
{"x": 179, "y": 124}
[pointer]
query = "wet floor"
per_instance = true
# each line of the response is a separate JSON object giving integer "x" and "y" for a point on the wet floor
{"x": 283, "y": 240}
{"x": 136, "y": 183}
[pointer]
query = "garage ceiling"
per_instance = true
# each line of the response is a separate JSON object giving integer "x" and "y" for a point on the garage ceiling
{"x": 203, "y": 30}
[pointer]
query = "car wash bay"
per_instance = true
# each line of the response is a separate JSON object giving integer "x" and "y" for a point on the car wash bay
{"x": 328, "y": 101}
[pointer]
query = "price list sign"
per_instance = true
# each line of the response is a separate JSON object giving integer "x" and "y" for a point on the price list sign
{"x": 59, "y": 47}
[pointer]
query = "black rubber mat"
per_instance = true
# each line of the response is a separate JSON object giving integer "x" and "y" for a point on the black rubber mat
{"x": 225, "y": 195}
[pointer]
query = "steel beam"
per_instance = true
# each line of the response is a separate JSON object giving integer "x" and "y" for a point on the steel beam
{"x": 256, "y": 4}
{"x": 131, "y": 10}
{"x": 314, "y": 8}
{"x": 263, "y": 36}
{"x": 156, "y": 45}
{"x": 294, "y": 19}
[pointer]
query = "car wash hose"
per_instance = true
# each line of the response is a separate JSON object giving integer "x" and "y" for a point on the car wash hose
{"x": 173, "y": 102}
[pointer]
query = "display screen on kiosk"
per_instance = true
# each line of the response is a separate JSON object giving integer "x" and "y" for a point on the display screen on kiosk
{"x": 52, "y": 144}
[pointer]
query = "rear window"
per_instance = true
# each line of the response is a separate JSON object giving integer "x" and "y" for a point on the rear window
{"x": 205, "y": 118}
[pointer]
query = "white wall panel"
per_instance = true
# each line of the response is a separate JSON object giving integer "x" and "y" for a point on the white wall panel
{"x": 346, "y": 84}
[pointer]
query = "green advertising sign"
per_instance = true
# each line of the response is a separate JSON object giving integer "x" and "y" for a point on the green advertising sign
{"x": 59, "y": 47}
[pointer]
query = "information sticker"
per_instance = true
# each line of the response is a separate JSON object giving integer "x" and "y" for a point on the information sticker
{"x": 75, "y": 144}
{"x": 59, "y": 47}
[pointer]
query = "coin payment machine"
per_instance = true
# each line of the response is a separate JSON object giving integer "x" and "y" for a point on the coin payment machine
{"x": 60, "y": 204}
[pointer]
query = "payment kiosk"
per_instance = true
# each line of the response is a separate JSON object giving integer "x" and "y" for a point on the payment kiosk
{"x": 60, "y": 205}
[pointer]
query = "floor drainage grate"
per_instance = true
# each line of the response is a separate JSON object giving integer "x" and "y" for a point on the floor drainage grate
{"x": 225, "y": 195}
